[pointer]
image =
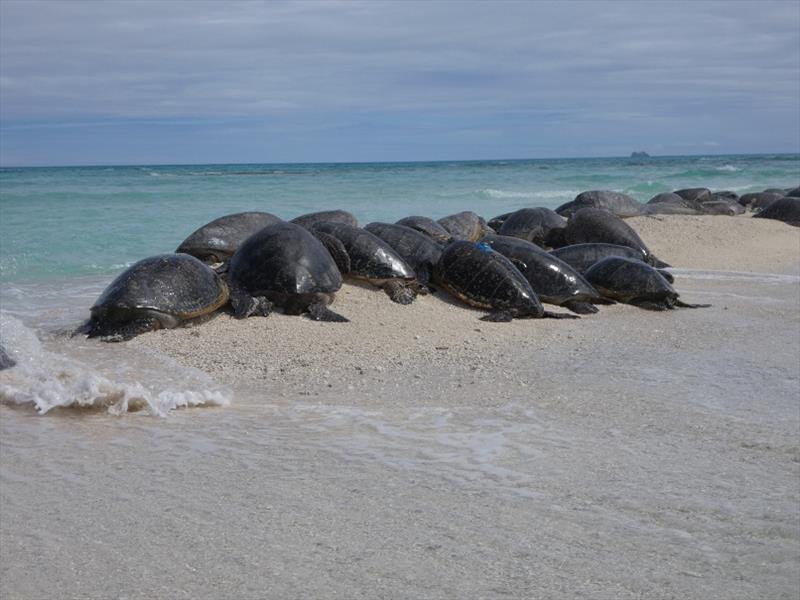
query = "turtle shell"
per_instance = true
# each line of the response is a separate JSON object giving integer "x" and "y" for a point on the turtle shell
{"x": 465, "y": 225}
{"x": 286, "y": 259}
{"x": 417, "y": 249}
{"x": 553, "y": 280}
{"x": 629, "y": 281}
{"x": 582, "y": 256}
{"x": 484, "y": 278}
{"x": 218, "y": 240}
{"x": 590, "y": 225}
{"x": 785, "y": 209}
{"x": 160, "y": 291}
{"x": 532, "y": 225}
{"x": 311, "y": 220}
{"x": 370, "y": 257}
{"x": 429, "y": 227}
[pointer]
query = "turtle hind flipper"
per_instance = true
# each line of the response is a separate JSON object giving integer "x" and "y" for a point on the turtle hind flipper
{"x": 319, "y": 311}
{"x": 554, "y": 315}
{"x": 498, "y": 316}
{"x": 682, "y": 304}
{"x": 581, "y": 308}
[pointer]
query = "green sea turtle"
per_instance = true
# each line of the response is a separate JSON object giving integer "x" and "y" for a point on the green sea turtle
{"x": 373, "y": 260}
{"x": 215, "y": 242}
{"x": 617, "y": 203}
{"x": 417, "y": 249}
{"x": 6, "y": 362}
{"x": 670, "y": 203}
{"x": 162, "y": 291}
{"x": 634, "y": 282}
{"x": 429, "y": 227}
{"x": 597, "y": 225}
{"x": 553, "y": 280}
{"x": 283, "y": 265}
{"x": 465, "y": 225}
{"x": 484, "y": 278}
{"x": 326, "y": 216}
{"x": 582, "y": 256}
{"x": 786, "y": 209}
{"x": 539, "y": 225}
{"x": 759, "y": 200}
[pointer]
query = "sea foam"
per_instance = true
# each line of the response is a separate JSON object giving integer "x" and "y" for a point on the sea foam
{"x": 86, "y": 375}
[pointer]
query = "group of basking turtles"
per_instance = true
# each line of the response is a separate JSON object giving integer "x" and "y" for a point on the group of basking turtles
{"x": 578, "y": 256}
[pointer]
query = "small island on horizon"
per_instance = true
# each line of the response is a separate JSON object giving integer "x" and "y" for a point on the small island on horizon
{"x": 640, "y": 154}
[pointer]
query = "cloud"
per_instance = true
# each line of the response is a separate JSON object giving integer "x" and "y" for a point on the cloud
{"x": 76, "y": 61}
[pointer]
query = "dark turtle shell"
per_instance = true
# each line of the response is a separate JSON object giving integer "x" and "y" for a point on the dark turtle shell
{"x": 590, "y": 225}
{"x": 311, "y": 220}
{"x": 160, "y": 291}
{"x": 465, "y": 225}
{"x": 759, "y": 200}
{"x": 370, "y": 257}
{"x": 417, "y": 249}
{"x": 553, "y": 280}
{"x": 284, "y": 260}
{"x": 533, "y": 225}
{"x": 218, "y": 240}
{"x": 582, "y": 256}
{"x": 619, "y": 204}
{"x": 429, "y": 227}
{"x": 481, "y": 277}
{"x": 634, "y": 282}
{"x": 670, "y": 203}
{"x": 785, "y": 209}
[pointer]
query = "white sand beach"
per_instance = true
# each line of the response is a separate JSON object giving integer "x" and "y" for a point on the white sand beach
{"x": 418, "y": 452}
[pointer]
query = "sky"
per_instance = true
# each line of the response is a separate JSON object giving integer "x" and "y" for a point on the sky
{"x": 168, "y": 82}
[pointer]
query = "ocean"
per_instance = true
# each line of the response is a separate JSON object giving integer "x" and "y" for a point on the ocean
{"x": 66, "y": 232}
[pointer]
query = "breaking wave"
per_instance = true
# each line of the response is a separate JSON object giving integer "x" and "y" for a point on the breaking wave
{"x": 80, "y": 374}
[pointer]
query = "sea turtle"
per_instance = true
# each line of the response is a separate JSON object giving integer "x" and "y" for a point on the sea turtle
{"x": 698, "y": 195}
{"x": 326, "y": 216}
{"x": 553, "y": 280}
{"x": 6, "y": 362}
{"x": 484, "y": 278}
{"x": 786, "y": 209}
{"x": 429, "y": 227}
{"x": 619, "y": 204}
{"x": 496, "y": 223}
{"x": 162, "y": 291}
{"x": 417, "y": 249}
{"x": 634, "y": 282}
{"x": 284, "y": 265}
{"x": 465, "y": 225}
{"x": 722, "y": 207}
{"x": 582, "y": 256}
{"x": 541, "y": 226}
{"x": 373, "y": 260}
{"x": 670, "y": 203}
{"x": 759, "y": 200}
{"x": 793, "y": 193}
{"x": 215, "y": 242}
{"x": 597, "y": 225}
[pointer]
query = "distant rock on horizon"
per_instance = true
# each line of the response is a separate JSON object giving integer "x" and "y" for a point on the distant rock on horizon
{"x": 640, "y": 154}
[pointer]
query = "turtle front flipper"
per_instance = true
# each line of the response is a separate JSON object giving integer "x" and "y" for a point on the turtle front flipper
{"x": 582, "y": 308}
{"x": 319, "y": 311}
{"x": 244, "y": 305}
{"x": 682, "y": 304}
{"x": 399, "y": 291}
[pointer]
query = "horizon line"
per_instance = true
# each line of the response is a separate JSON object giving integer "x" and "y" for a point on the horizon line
{"x": 366, "y": 162}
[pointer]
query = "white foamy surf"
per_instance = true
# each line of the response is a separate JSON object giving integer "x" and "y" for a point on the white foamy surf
{"x": 57, "y": 371}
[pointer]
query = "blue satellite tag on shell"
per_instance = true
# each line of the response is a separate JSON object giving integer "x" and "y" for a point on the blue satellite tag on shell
{"x": 484, "y": 247}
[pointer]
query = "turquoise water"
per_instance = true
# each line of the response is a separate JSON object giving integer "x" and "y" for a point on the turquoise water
{"x": 63, "y": 223}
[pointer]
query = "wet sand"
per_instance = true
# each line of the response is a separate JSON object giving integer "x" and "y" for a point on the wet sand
{"x": 418, "y": 452}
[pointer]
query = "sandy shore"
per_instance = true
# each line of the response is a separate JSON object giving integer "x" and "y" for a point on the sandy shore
{"x": 418, "y": 452}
